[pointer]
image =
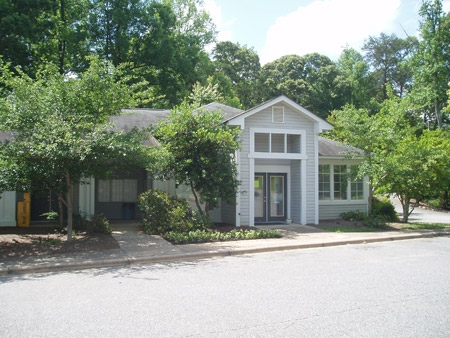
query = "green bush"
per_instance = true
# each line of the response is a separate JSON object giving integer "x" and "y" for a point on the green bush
{"x": 354, "y": 215}
{"x": 383, "y": 208}
{"x": 97, "y": 224}
{"x": 162, "y": 213}
{"x": 202, "y": 235}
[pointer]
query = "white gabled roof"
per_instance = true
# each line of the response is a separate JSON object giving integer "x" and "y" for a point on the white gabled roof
{"x": 321, "y": 124}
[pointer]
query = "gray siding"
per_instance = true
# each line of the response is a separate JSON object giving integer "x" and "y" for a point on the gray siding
{"x": 228, "y": 213}
{"x": 295, "y": 122}
{"x": 244, "y": 176}
{"x": 333, "y": 211}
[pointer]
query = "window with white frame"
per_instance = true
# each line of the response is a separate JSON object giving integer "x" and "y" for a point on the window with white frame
{"x": 324, "y": 182}
{"x": 117, "y": 190}
{"x": 338, "y": 183}
{"x": 357, "y": 184}
{"x": 277, "y": 114}
{"x": 277, "y": 142}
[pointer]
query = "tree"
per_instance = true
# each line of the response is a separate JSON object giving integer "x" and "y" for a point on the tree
{"x": 23, "y": 25}
{"x": 202, "y": 152}
{"x": 32, "y": 32}
{"x": 388, "y": 56}
{"x": 310, "y": 80}
{"x": 398, "y": 156}
{"x": 359, "y": 87}
{"x": 60, "y": 131}
{"x": 241, "y": 65}
{"x": 417, "y": 168}
{"x": 112, "y": 25}
{"x": 431, "y": 63}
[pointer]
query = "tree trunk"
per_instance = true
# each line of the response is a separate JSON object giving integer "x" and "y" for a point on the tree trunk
{"x": 405, "y": 206}
{"x": 197, "y": 202}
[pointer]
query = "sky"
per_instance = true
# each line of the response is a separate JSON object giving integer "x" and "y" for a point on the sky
{"x": 274, "y": 28}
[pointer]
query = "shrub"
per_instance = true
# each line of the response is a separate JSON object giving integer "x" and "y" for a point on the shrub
{"x": 162, "y": 213}
{"x": 97, "y": 224}
{"x": 354, "y": 215}
{"x": 383, "y": 208}
{"x": 202, "y": 235}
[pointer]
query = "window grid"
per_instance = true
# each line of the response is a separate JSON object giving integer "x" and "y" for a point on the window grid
{"x": 324, "y": 182}
{"x": 336, "y": 183}
{"x": 340, "y": 182}
{"x": 277, "y": 143}
{"x": 117, "y": 190}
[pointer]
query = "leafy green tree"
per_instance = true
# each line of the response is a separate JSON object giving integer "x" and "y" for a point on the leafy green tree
{"x": 431, "y": 64}
{"x": 32, "y": 32}
{"x": 418, "y": 168}
{"x": 201, "y": 152}
{"x": 359, "y": 87}
{"x": 112, "y": 25}
{"x": 60, "y": 131}
{"x": 398, "y": 156}
{"x": 241, "y": 65}
{"x": 169, "y": 52}
{"x": 311, "y": 80}
{"x": 387, "y": 55}
{"x": 23, "y": 25}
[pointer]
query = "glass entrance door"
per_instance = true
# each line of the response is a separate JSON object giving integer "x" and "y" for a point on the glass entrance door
{"x": 270, "y": 197}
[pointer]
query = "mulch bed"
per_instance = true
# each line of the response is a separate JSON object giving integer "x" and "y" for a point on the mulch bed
{"x": 18, "y": 242}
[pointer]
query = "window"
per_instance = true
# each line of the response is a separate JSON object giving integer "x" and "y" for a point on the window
{"x": 357, "y": 185}
{"x": 324, "y": 182}
{"x": 338, "y": 183}
{"x": 277, "y": 143}
{"x": 117, "y": 190}
{"x": 278, "y": 114}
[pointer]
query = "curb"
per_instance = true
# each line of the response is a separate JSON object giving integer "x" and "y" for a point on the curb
{"x": 128, "y": 261}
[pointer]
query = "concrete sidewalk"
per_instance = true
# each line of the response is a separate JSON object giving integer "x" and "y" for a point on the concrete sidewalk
{"x": 136, "y": 247}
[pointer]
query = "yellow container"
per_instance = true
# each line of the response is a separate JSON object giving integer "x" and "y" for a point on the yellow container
{"x": 23, "y": 214}
{"x": 26, "y": 197}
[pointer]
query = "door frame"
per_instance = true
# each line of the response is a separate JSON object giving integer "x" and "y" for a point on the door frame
{"x": 265, "y": 195}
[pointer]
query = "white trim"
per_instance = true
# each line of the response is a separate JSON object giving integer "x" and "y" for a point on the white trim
{"x": 303, "y": 191}
{"x": 320, "y": 124}
{"x": 270, "y": 155}
{"x": 316, "y": 179}
{"x": 281, "y": 156}
{"x": 272, "y": 169}
{"x": 251, "y": 197}
{"x": 349, "y": 200}
{"x": 238, "y": 194}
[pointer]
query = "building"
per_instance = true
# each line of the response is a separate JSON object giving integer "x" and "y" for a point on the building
{"x": 288, "y": 173}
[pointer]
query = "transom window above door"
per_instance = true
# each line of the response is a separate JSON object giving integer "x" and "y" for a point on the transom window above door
{"x": 264, "y": 141}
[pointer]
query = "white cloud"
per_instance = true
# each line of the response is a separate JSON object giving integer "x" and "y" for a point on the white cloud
{"x": 223, "y": 28}
{"x": 327, "y": 26}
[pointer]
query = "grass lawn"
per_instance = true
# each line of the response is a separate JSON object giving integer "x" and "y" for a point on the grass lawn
{"x": 338, "y": 228}
{"x": 396, "y": 226}
{"x": 422, "y": 226}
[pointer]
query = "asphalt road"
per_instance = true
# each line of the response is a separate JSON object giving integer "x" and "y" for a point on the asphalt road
{"x": 422, "y": 214}
{"x": 389, "y": 289}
